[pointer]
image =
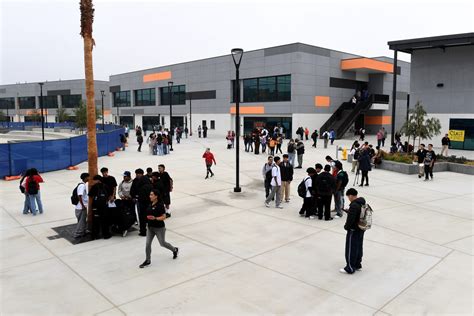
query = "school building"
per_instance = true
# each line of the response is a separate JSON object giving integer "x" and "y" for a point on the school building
{"x": 442, "y": 79}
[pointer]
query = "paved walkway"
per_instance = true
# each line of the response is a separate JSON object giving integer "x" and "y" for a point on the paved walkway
{"x": 239, "y": 257}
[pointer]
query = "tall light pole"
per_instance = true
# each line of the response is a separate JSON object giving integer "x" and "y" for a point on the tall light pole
{"x": 170, "y": 94}
{"x": 102, "y": 93}
{"x": 41, "y": 106}
{"x": 190, "y": 114}
{"x": 237, "y": 54}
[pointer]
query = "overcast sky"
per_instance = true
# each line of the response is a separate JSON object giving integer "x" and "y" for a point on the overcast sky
{"x": 40, "y": 39}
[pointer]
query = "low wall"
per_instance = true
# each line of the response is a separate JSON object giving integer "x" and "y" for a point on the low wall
{"x": 57, "y": 154}
{"x": 413, "y": 169}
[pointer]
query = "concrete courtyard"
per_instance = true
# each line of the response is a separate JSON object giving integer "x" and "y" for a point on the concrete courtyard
{"x": 238, "y": 257}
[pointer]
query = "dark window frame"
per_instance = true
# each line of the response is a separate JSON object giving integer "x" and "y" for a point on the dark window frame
{"x": 122, "y": 99}
{"x": 70, "y": 101}
{"x": 30, "y": 103}
{"x": 274, "y": 92}
{"x": 145, "y": 97}
{"x": 8, "y": 102}
{"x": 178, "y": 92}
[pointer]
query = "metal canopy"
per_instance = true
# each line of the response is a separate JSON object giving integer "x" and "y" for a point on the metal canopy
{"x": 410, "y": 45}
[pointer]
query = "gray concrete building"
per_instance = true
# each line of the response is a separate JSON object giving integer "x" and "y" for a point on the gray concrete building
{"x": 21, "y": 101}
{"x": 292, "y": 85}
{"x": 442, "y": 79}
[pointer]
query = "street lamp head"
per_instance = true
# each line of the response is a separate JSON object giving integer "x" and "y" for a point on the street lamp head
{"x": 41, "y": 83}
{"x": 170, "y": 83}
{"x": 237, "y": 54}
{"x": 102, "y": 92}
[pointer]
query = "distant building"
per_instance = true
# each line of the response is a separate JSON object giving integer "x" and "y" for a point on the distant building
{"x": 442, "y": 79}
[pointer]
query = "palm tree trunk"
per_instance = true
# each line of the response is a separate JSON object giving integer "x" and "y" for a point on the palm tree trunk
{"x": 87, "y": 18}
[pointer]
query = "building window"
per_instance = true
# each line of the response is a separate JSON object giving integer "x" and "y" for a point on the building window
{"x": 7, "y": 103}
{"x": 213, "y": 124}
{"x": 266, "y": 89}
{"x": 179, "y": 95}
{"x": 50, "y": 102}
{"x": 71, "y": 101}
{"x": 27, "y": 102}
{"x": 122, "y": 99}
{"x": 145, "y": 97}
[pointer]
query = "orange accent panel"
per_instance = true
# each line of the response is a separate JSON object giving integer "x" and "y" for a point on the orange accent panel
{"x": 37, "y": 111}
{"x": 366, "y": 63}
{"x": 157, "y": 76}
{"x": 107, "y": 112}
{"x": 249, "y": 110}
{"x": 378, "y": 120}
{"x": 320, "y": 100}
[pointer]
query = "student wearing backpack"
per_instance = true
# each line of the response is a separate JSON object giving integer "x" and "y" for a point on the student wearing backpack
{"x": 100, "y": 197}
{"x": 291, "y": 150}
{"x": 32, "y": 187}
{"x": 326, "y": 139}
{"x": 286, "y": 177}
{"x": 308, "y": 209}
{"x": 276, "y": 184}
{"x": 325, "y": 187}
{"x": 355, "y": 156}
{"x": 342, "y": 179}
{"x": 354, "y": 235}
{"x": 267, "y": 175}
{"x": 80, "y": 195}
{"x": 300, "y": 153}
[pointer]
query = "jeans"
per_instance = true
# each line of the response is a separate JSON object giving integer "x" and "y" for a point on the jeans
{"x": 428, "y": 171}
{"x": 160, "y": 149}
{"x": 339, "y": 201}
{"x": 276, "y": 190}
{"x": 160, "y": 234}
{"x": 155, "y": 150}
{"x": 35, "y": 199}
{"x": 81, "y": 216}
{"x": 291, "y": 159}
{"x": 26, "y": 205}
{"x": 300, "y": 160}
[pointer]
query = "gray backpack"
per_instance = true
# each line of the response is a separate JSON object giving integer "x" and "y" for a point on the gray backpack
{"x": 365, "y": 220}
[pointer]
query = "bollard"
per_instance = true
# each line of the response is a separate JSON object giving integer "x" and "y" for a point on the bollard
{"x": 337, "y": 151}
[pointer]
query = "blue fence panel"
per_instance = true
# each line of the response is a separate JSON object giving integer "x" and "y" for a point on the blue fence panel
{"x": 78, "y": 149}
{"x": 56, "y": 154}
{"x": 25, "y": 156}
{"x": 102, "y": 140}
{"x": 4, "y": 160}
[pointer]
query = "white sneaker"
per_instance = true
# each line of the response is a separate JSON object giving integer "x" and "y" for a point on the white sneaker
{"x": 279, "y": 206}
{"x": 312, "y": 217}
{"x": 343, "y": 271}
{"x": 337, "y": 216}
{"x": 125, "y": 232}
{"x": 267, "y": 205}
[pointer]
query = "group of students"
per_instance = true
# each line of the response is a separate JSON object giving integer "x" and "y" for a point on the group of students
{"x": 261, "y": 139}
{"x": 426, "y": 159}
{"x": 148, "y": 194}
{"x": 317, "y": 190}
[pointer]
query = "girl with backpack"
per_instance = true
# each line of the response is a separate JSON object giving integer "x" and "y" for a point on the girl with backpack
{"x": 32, "y": 188}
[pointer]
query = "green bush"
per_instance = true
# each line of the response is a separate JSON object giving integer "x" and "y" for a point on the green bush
{"x": 399, "y": 157}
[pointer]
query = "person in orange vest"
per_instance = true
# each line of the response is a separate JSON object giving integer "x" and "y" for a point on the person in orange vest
{"x": 209, "y": 159}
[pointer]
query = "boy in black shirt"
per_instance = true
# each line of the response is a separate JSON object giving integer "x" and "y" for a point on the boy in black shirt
{"x": 167, "y": 184}
{"x": 155, "y": 215}
{"x": 110, "y": 183}
{"x": 430, "y": 158}
{"x": 420, "y": 157}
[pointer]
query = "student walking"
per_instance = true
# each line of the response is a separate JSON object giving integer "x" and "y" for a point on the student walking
{"x": 32, "y": 187}
{"x": 276, "y": 185}
{"x": 306, "y": 133}
{"x": 430, "y": 158}
{"x": 300, "y": 153}
{"x": 209, "y": 159}
{"x": 420, "y": 159}
{"x": 445, "y": 142}
{"x": 314, "y": 137}
{"x": 354, "y": 235}
{"x": 279, "y": 142}
{"x": 286, "y": 170}
{"x": 155, "y": 217}
{"x": 364, "y": 166}
{"x": 267, "y": 175}
{"x": 82, "y": 194}
{"x": 140, "y": 142}
{"x": 332, "y": 136}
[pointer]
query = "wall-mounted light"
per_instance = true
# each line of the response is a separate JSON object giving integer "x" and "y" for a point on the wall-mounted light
{"x": 440, "y": 85}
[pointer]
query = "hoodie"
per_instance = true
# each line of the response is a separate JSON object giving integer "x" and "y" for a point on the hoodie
{"x": 353, "y": 214}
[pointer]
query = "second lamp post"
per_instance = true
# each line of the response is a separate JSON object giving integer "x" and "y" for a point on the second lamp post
{"x": 170, "y": 95}
{"x": 237, "y": 54}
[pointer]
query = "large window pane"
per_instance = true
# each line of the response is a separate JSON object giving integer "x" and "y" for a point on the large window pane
{"x": 50, "y": 102}
{"x": 122, "y": 99}
{"x": 145, "y": 97}
{"x": 178, "y": 92}
{"x": 71, "y": 101}
{"x": 7, "y": 103}
{"x": 26, "y": 102}
{"x": 266, "y": 89}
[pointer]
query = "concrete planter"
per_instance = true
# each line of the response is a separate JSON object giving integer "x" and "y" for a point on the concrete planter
{"x": 413, "y": 169}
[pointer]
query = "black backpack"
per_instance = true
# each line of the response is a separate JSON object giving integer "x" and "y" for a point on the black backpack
{"x": 32, "y": 186}
{"x": 356, "y": 154}
{"x": 345, "y": 179}
{"x": 75, "y": 196}
{"x": 102, "y": 196}
{"x": 324, "y": 185}
{"x": 302, "y": 188}
{"x": 268, "y": 175}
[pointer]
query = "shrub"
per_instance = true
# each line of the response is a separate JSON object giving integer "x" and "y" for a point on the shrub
{"x": 399, "y": 157}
